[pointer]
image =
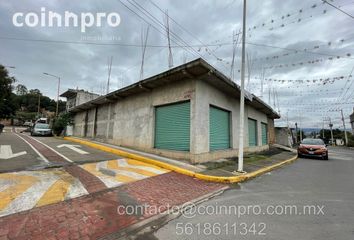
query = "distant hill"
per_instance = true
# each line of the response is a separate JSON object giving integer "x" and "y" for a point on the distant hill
{"x": 310, "y": 130}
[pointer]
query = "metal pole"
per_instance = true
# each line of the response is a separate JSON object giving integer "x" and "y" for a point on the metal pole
{"x": 57, "y": 108}
{"x": 331, "y": 125}
{"x": 296, "y": 138}
{"x": 300, "y": 127}
{"x": 56, "y": 112}
{"x": 39, "y": 104}
{"x": 242, "y": 100}
{"x": 323, "y": 124}
{"x": 345, "y": 131}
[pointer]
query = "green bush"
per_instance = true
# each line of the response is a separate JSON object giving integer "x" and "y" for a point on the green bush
{"x": 351, "y": 141}
{"x": 61, "y": 122}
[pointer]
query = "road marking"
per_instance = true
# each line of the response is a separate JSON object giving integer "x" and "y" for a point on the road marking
{"x": 21, "y": 184}
{"x": 58, "y": 153}
{"x": 27, "y": 189}
{"x": 58, "y": 191}
{"x": 75, "y": 148}
{"x": 116, "y": 172}
{"x": 24, "y": 190}
{"x": 109, "y": 180}
{"x": 6, "y": 152}
{"x": 34, "y": 149}
{"x": 114, "y": 166}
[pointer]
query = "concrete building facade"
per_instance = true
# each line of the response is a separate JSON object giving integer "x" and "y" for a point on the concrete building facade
{"x": 77, "y": 97}
{"x": 352, "y": 121}
{"x": 189, "y": 112}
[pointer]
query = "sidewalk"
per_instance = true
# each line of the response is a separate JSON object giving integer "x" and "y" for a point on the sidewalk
{"x": 98, "y": 215}
{"x": 252, "y": 162}
{"x": 224, "y": 173}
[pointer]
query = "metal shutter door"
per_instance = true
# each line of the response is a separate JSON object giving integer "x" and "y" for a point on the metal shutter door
{"x": 219, "y": 129}
{"x": 172, "y": 127}
{"x": 252, "y": 132}
{"x": 264, "y": 134}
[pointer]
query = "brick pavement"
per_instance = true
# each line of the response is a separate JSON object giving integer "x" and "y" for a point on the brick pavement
{"x": 95, "y": 215}
{"x": 90, "y": 181}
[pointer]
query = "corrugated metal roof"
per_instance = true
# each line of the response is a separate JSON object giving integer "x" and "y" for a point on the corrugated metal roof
{"x": 196, "y": 69}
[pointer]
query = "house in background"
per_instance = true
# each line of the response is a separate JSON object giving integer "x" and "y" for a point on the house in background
{"x": 77, "y": 97}
{"x": 284, "y": 136}
{"x": 189, "y": 112}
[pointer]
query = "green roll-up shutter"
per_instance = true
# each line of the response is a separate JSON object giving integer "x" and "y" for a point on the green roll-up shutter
{"x": 219, "y": 129}
{"x": 252, "y": 132}
{"x": 172, "y": 127}
{"x": 264, "y": 134}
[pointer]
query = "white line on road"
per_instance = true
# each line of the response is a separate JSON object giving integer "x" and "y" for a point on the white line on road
{"x": 34, "y": 149}
{"x": 74, "y": 148}
{"x": 61, "y": 155}
{"x": 6, "y": 152}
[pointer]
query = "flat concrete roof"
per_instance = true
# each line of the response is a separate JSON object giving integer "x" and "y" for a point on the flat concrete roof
{"x": 69, "y": 93}
{"x": 196, "y": 69}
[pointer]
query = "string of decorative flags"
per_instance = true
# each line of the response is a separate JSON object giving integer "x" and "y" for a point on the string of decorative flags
{"x": 324, "y": 81}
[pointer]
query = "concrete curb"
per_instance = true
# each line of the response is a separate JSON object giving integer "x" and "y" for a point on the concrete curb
{"x": 148, "y": 225}
{"x": 233, "y": 179}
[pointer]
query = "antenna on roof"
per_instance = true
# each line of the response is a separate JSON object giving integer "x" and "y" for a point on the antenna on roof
{"x": 167, "y": 27}
{"x": 144, "y": 38}
{"x": 235, "y": 38}
{"x": 262, "y": 80}
{"x": 184, "y": 58}
{"x": 110, "y": 60}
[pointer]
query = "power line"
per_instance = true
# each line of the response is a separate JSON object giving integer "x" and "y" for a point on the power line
{"x": 330, "y": 4}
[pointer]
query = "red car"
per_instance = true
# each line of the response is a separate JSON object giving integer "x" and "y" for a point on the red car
{"x": 310, "y": 147}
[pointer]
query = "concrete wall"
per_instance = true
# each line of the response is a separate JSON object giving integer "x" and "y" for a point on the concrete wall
{"x": 207, "y": 95}
{"x": 130, "y": 122}
{"x": 134, "y": 116}
{"x": 79, "y": 124}
{"x": 283, "y": 136}
{"x": 83, "y": 97}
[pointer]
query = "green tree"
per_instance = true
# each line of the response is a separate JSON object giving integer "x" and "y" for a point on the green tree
{"x": 7, "y": 107}
{"x": 21, "y": 90}
{"x": 61, "y": 122}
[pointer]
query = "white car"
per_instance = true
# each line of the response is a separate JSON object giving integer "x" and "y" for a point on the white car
{"x": 41, "y": 129}
{"x": 28, "y": 124}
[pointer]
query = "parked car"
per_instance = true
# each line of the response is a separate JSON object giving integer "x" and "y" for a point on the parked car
{"x": 312, "y": 147}
{"x": 28, "y": 124}
{"x": 42, "y": 120}
{"x": 41, "y": 129}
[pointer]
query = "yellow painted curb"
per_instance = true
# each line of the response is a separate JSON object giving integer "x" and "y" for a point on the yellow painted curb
{"x": 233, "y": 179}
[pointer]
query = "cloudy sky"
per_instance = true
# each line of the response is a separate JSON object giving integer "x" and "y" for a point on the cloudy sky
{"x": 286, "y": 40}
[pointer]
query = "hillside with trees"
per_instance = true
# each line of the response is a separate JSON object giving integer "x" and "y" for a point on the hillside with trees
{"x": 18, "y": 102}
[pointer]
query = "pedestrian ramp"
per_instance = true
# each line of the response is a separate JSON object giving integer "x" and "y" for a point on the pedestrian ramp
{"x": 24, "y": 190}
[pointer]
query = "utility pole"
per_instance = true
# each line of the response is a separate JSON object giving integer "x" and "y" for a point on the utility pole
{"x": 57, "y": 109}
{"x": 323, "y": 130}
{"x": 300, "y": 128}
{"x": 345, "y": 131}
{"x": 296, "y": 138}
{"x": 167, "y": 27}
{"x": 109, "y": 67}
{"x": 331, "y": 126}
{"x": 242, "y": 100}
{"x": 39, "y": 105}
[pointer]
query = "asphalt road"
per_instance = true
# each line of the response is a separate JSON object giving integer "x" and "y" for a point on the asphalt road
{"x": 309, "y": 199}
{"x": 27, "y": 161}
{"x": 18, "y": 154}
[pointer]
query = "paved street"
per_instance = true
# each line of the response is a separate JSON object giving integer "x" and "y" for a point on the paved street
{"x": 34, "y": 159}
{"x": 325, "y": 185}
{"x": 37, "y": 171}
{"x": 68, "y": 189}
